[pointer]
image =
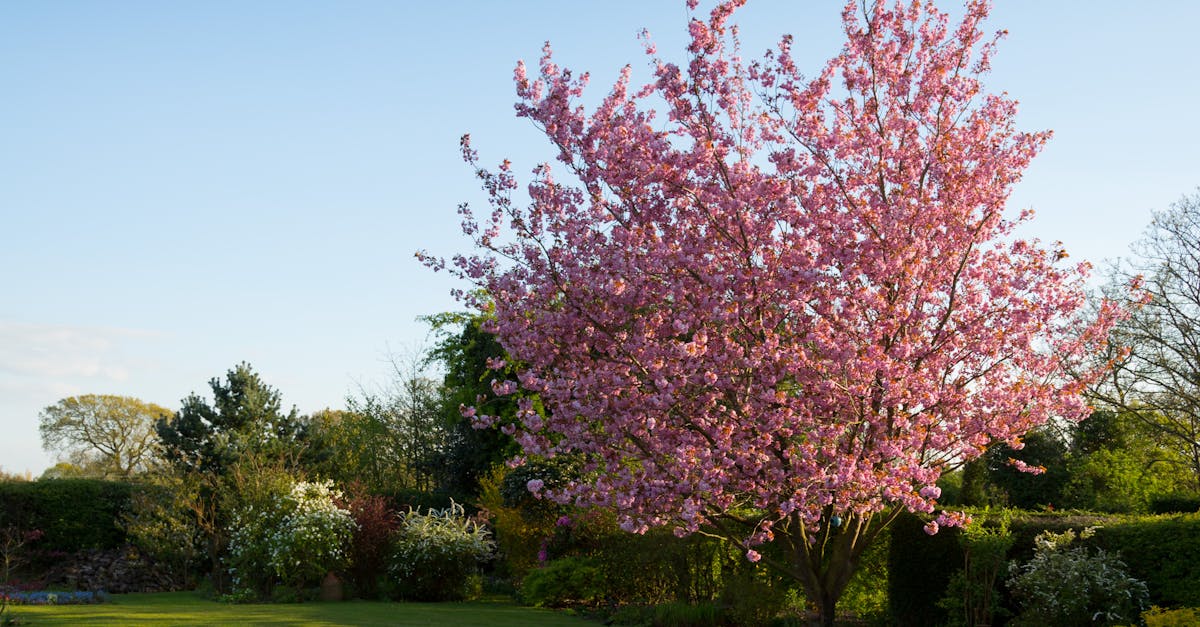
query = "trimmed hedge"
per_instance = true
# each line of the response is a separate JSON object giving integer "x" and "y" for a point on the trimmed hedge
{"x": 1163, "y": 551}
{"x": 1175, "y": 504}
{"x": 73, "y": 514}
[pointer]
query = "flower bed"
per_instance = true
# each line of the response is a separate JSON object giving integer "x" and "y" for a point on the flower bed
{"x": 44, "y": 597}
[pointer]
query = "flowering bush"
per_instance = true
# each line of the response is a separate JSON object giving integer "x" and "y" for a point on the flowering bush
{"x": 435, "y": 556}
{"x": 295, "y": 537}
{"x": 1075, "y": 586}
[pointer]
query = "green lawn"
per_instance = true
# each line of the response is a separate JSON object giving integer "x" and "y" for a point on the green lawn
{"x": 186, "y": 608}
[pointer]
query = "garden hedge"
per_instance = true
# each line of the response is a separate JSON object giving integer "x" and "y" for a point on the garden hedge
{"x": 73, "y": 514}
{"x": 1163, "y": 551}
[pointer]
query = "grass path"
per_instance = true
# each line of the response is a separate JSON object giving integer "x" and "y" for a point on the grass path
{"x": 186, "y": 608}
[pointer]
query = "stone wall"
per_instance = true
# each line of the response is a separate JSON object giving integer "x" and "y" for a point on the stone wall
{"x": 116, "y": 571}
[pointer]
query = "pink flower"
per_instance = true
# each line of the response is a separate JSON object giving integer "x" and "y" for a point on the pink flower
{"x": 753, "y": 555}
{"x": 931, "y": 527}
{"x": 535, "y": 486}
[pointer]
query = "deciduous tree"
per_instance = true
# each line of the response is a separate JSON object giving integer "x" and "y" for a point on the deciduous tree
{"x": 785, "y": 309}
{"x": 111, "y": 435}
{"x": 1158, "y": 381}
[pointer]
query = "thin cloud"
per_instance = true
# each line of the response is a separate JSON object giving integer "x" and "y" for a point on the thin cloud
{"x": 43, "y": 351}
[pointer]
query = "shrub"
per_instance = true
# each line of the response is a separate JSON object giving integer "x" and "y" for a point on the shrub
{"x": 753, "y": 595}
{"x": 294, "y": 537}
{"x": 519, "y": 532}
{"x": 376, "y": 521}
{"x": 972, "y": 598}
{"x": 163, "y": 525}
{"x": 313, "y": 535}
{"x": 1158, "y": 617}
{"x": 435, "y": 556}
{"x": 565, "y": 582}
{"x": 1075, "y": 586}
{"x": 865, "y": 596}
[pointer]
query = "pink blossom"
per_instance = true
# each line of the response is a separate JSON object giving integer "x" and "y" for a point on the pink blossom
{"x": 798, "y": 292}
{"x": 753, "y": 555}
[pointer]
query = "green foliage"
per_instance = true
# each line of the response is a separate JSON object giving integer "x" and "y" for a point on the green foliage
{"x": 1162, "y": 550}
{"x": 1013, "y": 488}
{"x": 752, "y": 595}
{"x": 73, "y": 514}
{"x": 866, "y": 596}
{"x": 435, "y": 556}
{"x": 972, "y": 598}
{"x": 565, "y": 582}
{"x": 675, "y": 614}
{"x": 160, "y": 522}
{"x": 1119, "y": 464}
{"x": 230, "y": 449}
{"x": 1117, "y": 480}
{"x": 245, "y": 417}
{"x": 1159, "y": 617}
{"x": 1075, "y": 586}
{"x": 469, "y": 454}
{"x": 1175, "y": 504}
{"x": 389, "y": 436}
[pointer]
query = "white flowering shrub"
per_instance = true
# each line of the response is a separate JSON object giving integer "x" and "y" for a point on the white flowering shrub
{"x": 1065, "y": 586}
{"x": 294, "y": 537}
{"x": 436, "y": 556}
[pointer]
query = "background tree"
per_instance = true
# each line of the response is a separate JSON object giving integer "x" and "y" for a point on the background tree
{"x": 781, "y": 317}
{"x": 406, "y": 416}
{"x": 245, "y": 417}
{"x": 110, "y": 436}
{"x": 1158, "y": 382}
{"x": 1008, "y": 486}
{"x": 1118, "y": 463}
{"x": 229, "y": 450}
{"x": 464, "y": 353}
{"x": 388, "y": 437}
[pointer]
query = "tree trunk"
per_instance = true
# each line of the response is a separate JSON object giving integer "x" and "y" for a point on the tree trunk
{"x": 828, "y": 613}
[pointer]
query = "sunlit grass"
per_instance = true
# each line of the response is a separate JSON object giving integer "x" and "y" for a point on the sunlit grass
{"x": 185, "y": 608}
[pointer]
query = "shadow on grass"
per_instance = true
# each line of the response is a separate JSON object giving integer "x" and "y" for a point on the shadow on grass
{"x": 185, "y": 608}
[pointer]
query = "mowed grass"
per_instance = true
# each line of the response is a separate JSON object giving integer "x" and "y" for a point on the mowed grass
{"x": 187, "y": 608}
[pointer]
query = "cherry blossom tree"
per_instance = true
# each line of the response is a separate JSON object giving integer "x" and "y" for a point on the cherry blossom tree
{"x": 782, "y": 312}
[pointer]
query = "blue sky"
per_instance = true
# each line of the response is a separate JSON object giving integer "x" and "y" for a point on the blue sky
{"x": 187, "y": 185}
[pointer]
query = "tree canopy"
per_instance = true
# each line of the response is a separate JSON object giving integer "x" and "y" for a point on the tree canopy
{"x": 1158, "y": 380}
{"x": 786, "y": 306}
{"x": 244, "y": 417}
{"x": 102, "y": 434}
